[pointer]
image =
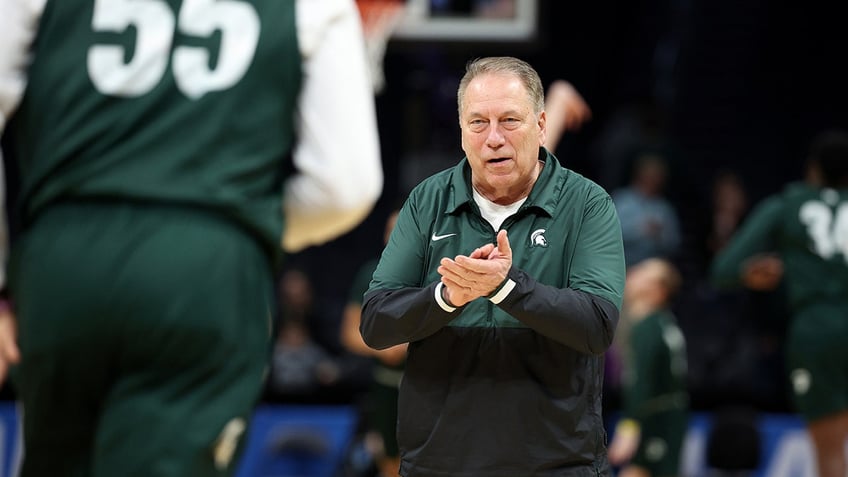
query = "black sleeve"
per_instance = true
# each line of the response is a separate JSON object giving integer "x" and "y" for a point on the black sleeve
{"x": 580, "y": 320}
{"x": 391, "y": 317}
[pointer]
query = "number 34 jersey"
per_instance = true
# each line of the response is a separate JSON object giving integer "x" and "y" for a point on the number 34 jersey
{"x": 808, "y": 227}
{"x": 179, "y": 101}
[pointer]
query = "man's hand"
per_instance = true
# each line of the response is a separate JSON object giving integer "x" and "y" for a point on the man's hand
{"x": 9, "y": 353}
{"x": 467, "y": 278}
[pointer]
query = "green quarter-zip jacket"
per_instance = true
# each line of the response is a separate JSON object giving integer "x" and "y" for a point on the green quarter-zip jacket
{"x": 509, "y": 385}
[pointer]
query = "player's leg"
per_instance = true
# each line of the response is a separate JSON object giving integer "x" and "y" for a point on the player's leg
{"x": 197, "y": 302}
{"x": 818, "y": 366}
{"x": 67, "y": 353}
{"x": 830, "y": 436}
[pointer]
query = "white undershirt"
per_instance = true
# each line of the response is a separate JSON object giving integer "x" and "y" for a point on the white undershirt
{"x": 494, "y": 213}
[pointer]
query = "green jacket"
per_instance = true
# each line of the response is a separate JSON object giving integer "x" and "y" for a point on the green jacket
{"x": 513, "y": 387}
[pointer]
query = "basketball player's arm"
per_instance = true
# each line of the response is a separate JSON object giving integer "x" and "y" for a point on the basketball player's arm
{"x": 339, "y": 174}
{"x": 566, "y": 111}
{"x": 746, "y": 257}
{"x": 18, "y": 24}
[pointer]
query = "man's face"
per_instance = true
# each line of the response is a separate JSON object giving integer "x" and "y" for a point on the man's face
{"x": 501, "y": 136}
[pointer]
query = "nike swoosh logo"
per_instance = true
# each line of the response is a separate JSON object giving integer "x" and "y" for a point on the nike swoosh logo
{"x": 436, "y": 238}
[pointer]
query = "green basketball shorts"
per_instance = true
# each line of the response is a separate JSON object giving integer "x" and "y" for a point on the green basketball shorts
{"x": 817, "y": 360}
{"x": 145, "y": 334}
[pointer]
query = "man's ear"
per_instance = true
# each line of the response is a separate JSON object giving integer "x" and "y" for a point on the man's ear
{"x": 543, "y": 127}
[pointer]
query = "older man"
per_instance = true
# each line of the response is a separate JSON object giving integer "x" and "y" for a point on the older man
{"x": 505, "y": 275}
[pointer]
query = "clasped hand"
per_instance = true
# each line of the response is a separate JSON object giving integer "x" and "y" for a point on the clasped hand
{"x": 478, "y": 274}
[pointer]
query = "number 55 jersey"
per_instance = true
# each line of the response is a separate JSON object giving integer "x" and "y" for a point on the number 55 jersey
{"x": 115, "y": 84}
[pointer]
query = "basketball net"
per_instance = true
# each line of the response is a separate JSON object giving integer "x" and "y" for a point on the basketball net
{"x": 379, "y": 20}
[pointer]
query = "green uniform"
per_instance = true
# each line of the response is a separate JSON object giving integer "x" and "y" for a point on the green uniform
{"x": 808, "y": 227}
{"x": 655, "y": 392}
{"x": 509, "y": 385}
{"x": 143, "y": 276}
{"x": 81, "y": 136}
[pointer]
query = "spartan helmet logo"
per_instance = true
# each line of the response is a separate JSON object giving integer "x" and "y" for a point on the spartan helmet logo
{"x": 537, "y": 239}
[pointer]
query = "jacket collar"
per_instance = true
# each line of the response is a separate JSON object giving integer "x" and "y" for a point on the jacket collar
{"x": 543, "y": 196}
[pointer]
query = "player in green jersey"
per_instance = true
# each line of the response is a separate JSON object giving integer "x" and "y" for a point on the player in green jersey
{"x": 168, "y": 152}
{"x": 800, "y": 236}
{"x": 649, "y": 436}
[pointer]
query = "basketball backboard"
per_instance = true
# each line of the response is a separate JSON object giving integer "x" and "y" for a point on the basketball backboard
{"x": 468, "y": 20}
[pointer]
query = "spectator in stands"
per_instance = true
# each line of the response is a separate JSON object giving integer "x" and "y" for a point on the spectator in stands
{"x": 649, "y": 223}
{"x": 729, "y": 207}
{"x": 301, "y": 369}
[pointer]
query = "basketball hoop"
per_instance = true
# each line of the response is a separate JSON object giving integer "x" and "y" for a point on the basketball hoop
{"x": 379, "y": 20}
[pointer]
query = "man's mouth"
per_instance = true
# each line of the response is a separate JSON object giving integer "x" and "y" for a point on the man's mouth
{"x": 497, "y": 160}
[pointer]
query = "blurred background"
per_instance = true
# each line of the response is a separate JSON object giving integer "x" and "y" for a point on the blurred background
{"x": 727, "y": 93}
{"x": 724, "y": 94}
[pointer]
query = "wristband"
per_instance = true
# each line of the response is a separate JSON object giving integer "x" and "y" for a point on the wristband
{"x": 441, "y": 300}
{"x": 502, "y": 291}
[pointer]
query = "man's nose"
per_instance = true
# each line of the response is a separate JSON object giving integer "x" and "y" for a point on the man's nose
{"x": 496, "y": 137}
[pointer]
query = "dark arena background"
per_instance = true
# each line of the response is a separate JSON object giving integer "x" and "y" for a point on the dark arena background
{"x": 725, "y": 91}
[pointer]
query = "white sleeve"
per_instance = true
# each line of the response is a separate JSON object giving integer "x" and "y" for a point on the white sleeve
{"x": 18, "y": 23}
{"x": 339, "y": 173}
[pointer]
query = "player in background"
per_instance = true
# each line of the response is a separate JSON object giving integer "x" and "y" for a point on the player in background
{"x": 649, "y": 436}
{"x": 800, "y": 236}
{"x": 168, "y": 151}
